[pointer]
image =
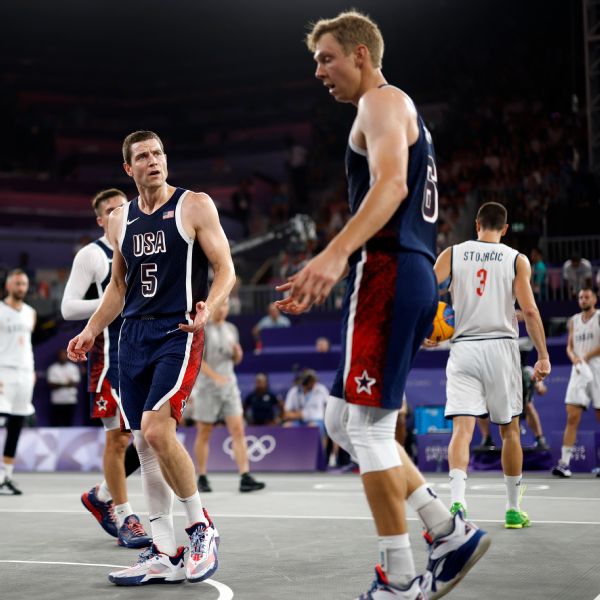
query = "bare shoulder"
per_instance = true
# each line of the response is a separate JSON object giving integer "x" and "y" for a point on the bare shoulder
{"x": 522, "y": 262}
{"x": 387, "y": 98}
{"x": 198, "y": 209}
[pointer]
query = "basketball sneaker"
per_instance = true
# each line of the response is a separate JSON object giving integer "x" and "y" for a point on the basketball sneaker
{"x": 202, "y": 561}
{"x": 249, "y": 484}
{"x": 211, "y": 524}
{"x": 516, "y": 519}
{"x": 203, "y": 485}
{"x": 103, "y": 512}
{"x": 132, "y": 534}
{"x": 8, "y": 488}
{"x": 451, "y": 556}
{"x": 457, "y": 506}
{"x": 382, "y": 589}
{"x": 152, "y": 566}
{"x": 561, "y": 470}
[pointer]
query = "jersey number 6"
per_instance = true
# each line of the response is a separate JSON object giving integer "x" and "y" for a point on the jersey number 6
{"x": 429, "y": 208}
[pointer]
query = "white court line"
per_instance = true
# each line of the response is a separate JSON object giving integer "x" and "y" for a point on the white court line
{"x": 290, "y": 517}
{"x": 225, "y": 592}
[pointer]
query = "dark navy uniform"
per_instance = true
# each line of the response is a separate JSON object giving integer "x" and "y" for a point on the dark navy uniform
{"x": 391, "y": 294}
{"x": 103, "y": 371}
{"x": 167, "y": 274}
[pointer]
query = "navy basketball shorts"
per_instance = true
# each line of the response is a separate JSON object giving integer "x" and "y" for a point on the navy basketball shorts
{"x": 389, "y": 305}
{"x": 158, "y": 363}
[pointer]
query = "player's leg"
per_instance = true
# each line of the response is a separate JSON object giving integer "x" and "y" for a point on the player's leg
{"x": 235, "y": 426}
{"x": 574, "y": 413}
{"x": 483, "y": 424}
{"x": 458, "y": 460}
{"x": 201, "y": 450}
{"x": 512, "y": 466}
{"x": 533, "y": 420}
{"x": 14, "y": 426}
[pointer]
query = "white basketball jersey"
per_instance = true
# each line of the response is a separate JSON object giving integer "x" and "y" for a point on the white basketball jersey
{"x": 586, "y": 335}
{"x": 481, "y": 285}
{"x": 16, "y": 327}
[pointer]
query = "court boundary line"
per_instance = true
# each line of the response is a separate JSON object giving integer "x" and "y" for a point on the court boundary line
{"x": 291, "y": 517}
{"x": 225, "y": 592}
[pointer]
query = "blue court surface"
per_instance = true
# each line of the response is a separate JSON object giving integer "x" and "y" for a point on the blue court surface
{"x": 305, "y": 536}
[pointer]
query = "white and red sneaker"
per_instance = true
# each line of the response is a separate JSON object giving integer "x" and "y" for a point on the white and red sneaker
{"x": 202, "y": 561}
{"x": 153, "y": 566}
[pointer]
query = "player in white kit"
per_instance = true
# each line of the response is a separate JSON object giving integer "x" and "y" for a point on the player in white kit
{"x": 583, "y": 349}
{"x": 484, "y": 369}
{"x": 17, "y": 375}
{"x": 216, "y": 396}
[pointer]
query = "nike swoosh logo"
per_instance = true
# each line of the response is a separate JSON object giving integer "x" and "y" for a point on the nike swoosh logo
{"x": 155, "y": 519}
{"x": 132, "y": 221}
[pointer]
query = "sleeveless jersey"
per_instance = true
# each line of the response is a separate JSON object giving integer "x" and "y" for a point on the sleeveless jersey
{"x": 482, "y": 276}
{"x": 16, "y": 327}
{"x": 167, "y": 271}
{"x": 104, "y": 355}
{"x": 586, "y": 336}
{"x": 412, "y": 228}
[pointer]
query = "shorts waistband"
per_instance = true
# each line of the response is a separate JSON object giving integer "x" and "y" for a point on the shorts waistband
{"x": 156, "y": 316}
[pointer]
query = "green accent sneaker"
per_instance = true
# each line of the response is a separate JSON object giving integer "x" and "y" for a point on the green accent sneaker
{"x": 456, "y": 507}
{"x": 516, "y": 519}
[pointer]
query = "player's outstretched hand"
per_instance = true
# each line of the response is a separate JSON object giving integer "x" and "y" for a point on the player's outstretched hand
{"x": 200, "y": 320}
{"x": 427, "y": 343}
{"x": 80, "y": 345}
{"x": 290, "y": 305}
{"x": 541, "y": 369}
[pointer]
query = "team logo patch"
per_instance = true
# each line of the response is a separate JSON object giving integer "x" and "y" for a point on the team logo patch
{"x": 364, "y": 383}
{"x": 101, "y": 403}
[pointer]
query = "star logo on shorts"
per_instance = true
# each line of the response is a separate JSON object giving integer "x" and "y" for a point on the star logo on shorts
{"x": 102, "y": 403}
{"x": 364, "y": 383}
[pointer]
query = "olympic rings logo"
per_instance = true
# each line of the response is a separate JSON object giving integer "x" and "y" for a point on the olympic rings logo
{"x": 258, "y": 448}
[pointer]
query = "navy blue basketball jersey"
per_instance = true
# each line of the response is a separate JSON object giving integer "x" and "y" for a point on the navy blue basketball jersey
{"x": 167, "y": 271}
{"x": 104, "y": 355}
{"x": 413, "y": 226}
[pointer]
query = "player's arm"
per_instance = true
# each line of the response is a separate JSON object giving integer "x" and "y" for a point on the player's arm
{"x": 238, "y": 353}
{"x": 533, "y": 321}
{"x": 443, "y": 265}
{"x": 83, "y": 274}
{"x": 113, "y": 298}
{"x": 217, "y": 378}
{"x": 384, "y": 122}
{"x": 570, "y": 348}
{"x": 200, "y": 214}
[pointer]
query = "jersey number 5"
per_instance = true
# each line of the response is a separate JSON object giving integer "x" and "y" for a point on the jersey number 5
{"x": 429, "y": 207}
{"x": 149, "y": 281}
{"x": 482, "y": 276}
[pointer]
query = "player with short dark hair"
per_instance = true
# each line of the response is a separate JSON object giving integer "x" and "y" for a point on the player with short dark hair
{"x": 163, "y": 242}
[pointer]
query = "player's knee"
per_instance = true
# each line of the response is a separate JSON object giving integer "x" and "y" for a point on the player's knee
{"x": 372, "y": 434}
{"x": 336, "y": 417}
{"x": 155, "y": 437}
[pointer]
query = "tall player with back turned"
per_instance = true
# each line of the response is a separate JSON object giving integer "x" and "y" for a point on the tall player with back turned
{"x": 163, "y": 242}
{"x": 484, "y": 368}
{"x": 387, "y": 248}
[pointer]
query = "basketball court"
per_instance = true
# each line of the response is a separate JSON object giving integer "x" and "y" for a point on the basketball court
{"x": 306, "y": 536}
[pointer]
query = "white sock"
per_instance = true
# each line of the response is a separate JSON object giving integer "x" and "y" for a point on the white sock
{"x": 513, "y": 487}
{"x": 458, "y": 485}
{"x": 103, "y": 493}
{"x": 396, "y": 559}
{"x": 8, "y": 470}
{"x": 193, "y": 509}
{"x": 163, "y": 533}
{"x": 431, "y": 510}
{"x": 123, "y": 511}
{"x": 565, "y": 455}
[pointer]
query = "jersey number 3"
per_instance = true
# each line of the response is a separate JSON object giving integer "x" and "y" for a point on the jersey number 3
{"x": 430, "y": 195}
{"x": 482, "y": 276}
{"x": 149, "y": 281}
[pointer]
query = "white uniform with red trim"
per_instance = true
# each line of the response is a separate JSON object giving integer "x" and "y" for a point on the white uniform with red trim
{"x": 483, "y": 371}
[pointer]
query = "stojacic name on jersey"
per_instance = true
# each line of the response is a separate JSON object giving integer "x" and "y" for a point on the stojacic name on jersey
{"x": 483, "y": 256}
{"x": 149, "y": 243}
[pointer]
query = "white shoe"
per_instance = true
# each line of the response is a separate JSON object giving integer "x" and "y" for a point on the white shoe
{"x": 383, "y": 590}
{"x": 452, "y": 556}
{"x": 152, "y": 566}
{"x": 202, "y": 561}
{"x": 561, "y": 470}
